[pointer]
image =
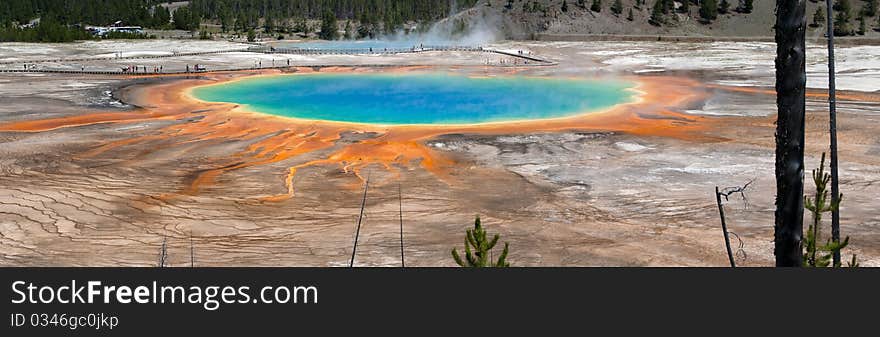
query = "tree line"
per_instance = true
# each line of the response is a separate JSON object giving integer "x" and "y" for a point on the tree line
{"x": 708, "y": 10}
{"x": 289, "y": 15}
{"x": 373, "y": 16}
{"x": 48, "y": 30}
{"x": 146, "y": 13}
{"x": 845, "y": 15}
{"x": 65, "y": 20}
{"x": 375, "y": 10}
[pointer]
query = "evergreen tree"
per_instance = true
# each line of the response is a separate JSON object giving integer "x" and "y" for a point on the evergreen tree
{"x": 185, "y": 19}
{"x": 617, "y": 7}
{"x": 241, "y": 22}
{"x": 862, "y": 28}
{"x": 657, "y": 18}
{"x": 708, "y": 10}
{"x": 629, "y": 17}
{"x": 226, "y": 21}
{"x": 818, "y": 17}
{"x": 477, "y": 247}
{"x": 365, "y": 31}
{"x": 161, "y": 17}
{"x": 596, "y": 6}
{"x": 300, "y": 26}
{"x": 723, "y": 7}
{"x": 329, "y": 28}
{"x": 251, "y": 35}
{"x": 870, "y": 8}
{"x": 269, "y": 23}
{"x": 564, "y": 6}
{"x": 745, "y": 6}
{"x": 685, "y": 6}
{"x": 842, "y": 19}
{"x": 815, "y": 255}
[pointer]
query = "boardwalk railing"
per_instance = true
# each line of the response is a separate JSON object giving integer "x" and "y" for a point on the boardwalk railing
{"x": 385, "y": 51}
{"x": 357, "y": 51}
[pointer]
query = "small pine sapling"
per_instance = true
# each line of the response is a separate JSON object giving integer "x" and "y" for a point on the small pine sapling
{"x": 617, "y": 7}
{"x": 477, "y": 247}
{"x": 816, "y": 255}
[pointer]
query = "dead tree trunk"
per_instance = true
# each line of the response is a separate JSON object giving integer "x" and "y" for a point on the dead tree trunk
{"x": 357, "y": 232}
{"x": 791, "y": 100}
{"x": 724, "y": 227}
{"x": 163, "y": 253}
{"x": 400, "y": 204}
{"x": 832, "y": 105}
{"x": 192, "y": 251}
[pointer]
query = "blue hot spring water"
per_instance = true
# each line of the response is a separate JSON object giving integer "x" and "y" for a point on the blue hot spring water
{"x": 418, "y": 98}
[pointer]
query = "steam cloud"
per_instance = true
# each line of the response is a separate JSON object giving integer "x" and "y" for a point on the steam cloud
{"x": 467, "y": 28}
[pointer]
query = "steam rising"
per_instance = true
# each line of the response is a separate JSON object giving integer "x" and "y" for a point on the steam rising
{"x": 467, "y": 28}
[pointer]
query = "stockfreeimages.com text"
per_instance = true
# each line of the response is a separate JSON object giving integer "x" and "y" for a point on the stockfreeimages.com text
{"x": 210, "y": 297}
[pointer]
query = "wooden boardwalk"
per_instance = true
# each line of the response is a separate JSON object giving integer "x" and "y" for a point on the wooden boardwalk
{"x": 386, "y": 51}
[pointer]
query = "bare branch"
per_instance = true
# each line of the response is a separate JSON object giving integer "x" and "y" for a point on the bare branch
{"x": 741, "y": 190}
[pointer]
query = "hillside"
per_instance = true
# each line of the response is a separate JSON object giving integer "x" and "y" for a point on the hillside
{"x": 526, "y": 18}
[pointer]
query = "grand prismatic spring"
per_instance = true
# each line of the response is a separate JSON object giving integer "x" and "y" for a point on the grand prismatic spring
{"x": 607, "y": 155}
{"x": 415, "y": 98}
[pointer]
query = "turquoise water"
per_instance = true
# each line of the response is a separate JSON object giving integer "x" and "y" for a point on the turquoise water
{"x": 418, "y": 98}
